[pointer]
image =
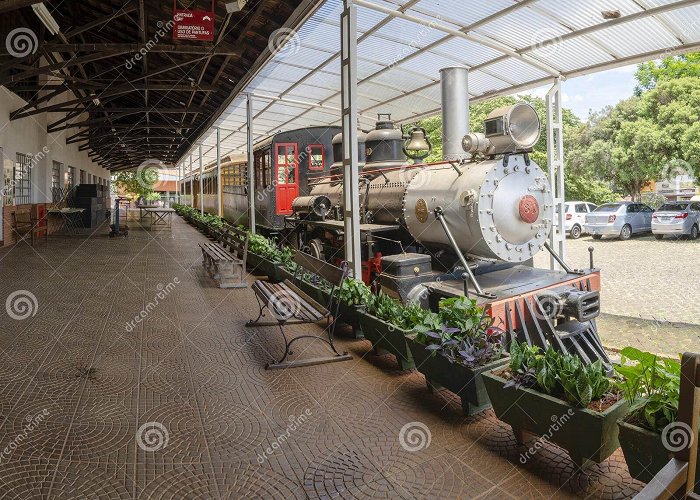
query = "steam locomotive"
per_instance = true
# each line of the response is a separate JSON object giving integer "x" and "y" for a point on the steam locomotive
{"x": 467, "y": 225}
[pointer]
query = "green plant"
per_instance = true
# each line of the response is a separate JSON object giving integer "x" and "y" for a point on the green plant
{"x": 354, "y": 292}
{"x": 560, "y": 375}
{"x": 385, "y": 308}
{"x": 651, "y": 385}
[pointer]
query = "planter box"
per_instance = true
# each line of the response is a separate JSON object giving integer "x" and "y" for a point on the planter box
{"x": 387, "y": 337}
{"x": 645, "y": 453}
{"x": 350, "y": 315}
{"x": 259, "y": 265}
{"x": 588, "y": 436}
{"x": 466, "y": 383}
{"x": 313, "y": 290}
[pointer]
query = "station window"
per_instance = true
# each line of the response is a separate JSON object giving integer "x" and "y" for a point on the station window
{"x": 69, "y": 177}
{"x": 82, "y": 177}
{"x": 316, "y": 157}
{"x": 286, "y": 163}
{"x": 56, "y": 175}
{"x": 23, "y": 179}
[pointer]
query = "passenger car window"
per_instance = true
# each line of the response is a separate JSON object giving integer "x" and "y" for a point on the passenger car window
{"x": 591, "y": 207}
{"x": 632, "y": 209}
{"x": 581, "y": 208}
{"x": 646, "y": 209}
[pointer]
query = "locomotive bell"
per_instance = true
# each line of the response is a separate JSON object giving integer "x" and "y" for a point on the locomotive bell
{"x": 416, "y": 141}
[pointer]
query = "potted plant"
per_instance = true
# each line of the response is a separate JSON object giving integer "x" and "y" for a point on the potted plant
{"x": 350, "y": 299}
{"x": 264, "y": 257}
{"x": 651, "y": 386}
{"x": 559, "y": 398}
{"x": 454, "y": 346}
{"x": 383, "y": 323}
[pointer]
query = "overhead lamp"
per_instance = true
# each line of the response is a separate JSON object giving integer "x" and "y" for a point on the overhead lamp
{"x": 235, "y": 5}
{"x": 46, "y": 18}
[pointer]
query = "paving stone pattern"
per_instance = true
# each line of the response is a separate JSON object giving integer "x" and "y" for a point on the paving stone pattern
{"x": 179, "y": 405}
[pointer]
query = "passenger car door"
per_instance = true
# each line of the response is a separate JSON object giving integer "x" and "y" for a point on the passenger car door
{"x": 580, "y": 212}
{"x": 645, "y": 213}
{"x": 634, "y": 218}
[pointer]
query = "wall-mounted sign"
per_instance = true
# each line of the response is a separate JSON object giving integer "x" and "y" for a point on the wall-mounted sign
{"x": 193, "y": 24}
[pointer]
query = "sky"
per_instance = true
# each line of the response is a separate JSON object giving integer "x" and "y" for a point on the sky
{"x": 594, "y": 92}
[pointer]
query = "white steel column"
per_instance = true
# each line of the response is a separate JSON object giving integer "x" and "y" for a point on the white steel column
{"x": 555, "y": 158}
{"x": 351, "y": 175}
{"x": 201, "y": 182}
{"x": 181, "y": 180}
{"x": 219, "y": 189}
{"x": 191, "y": 183}
{"x": 251, "y": 165}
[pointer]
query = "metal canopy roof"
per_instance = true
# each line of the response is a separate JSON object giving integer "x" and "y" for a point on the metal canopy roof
{"x": 508, "y": 45}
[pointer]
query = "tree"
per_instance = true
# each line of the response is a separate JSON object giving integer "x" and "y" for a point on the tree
{"x": 650, "y": 74}
{"x": 137, "y": 183}
{"x": 579, "y": 188}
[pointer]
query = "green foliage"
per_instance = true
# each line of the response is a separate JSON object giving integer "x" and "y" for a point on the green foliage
{"x": 580, "y": 188}
{"x": 354, "y": 292}
{"x": 651, "y": 386}
{"x": 650, "y": 74}
{"x": 560, "y": 375}
{"x": 136, "y": 183}
{"x": 387, "y": 309}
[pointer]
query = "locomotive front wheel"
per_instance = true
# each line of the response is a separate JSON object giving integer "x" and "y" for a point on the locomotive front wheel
{"x": 626, "y": 232}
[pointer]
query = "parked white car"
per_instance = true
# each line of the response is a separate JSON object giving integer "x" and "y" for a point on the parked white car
{"x": 575, "y": 217}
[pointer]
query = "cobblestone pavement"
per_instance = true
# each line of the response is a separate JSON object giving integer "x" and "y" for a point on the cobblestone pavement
{"x": 651, "y": 285}
{"x": 100, "y": 400}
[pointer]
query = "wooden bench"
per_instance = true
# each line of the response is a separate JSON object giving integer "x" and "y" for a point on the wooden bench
{"x": 23, "y": 224}
{"x": 677, "y": 478}
{"x": 227, "y": 266}
{"x": 289, "y": 305}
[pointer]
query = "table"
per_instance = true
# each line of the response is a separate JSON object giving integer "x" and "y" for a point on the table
{"x": 161, "y": 217}
{"x": 71, "y": 218}
{"x": 142, "y": 210}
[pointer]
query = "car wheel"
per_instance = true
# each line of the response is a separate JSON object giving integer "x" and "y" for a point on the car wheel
{"x": 694, "y": 232}
{"x": 626, "y": 232}
{"x": 576, "y": 232}
{"x": 659, "y": 236}
{"x": 597, "y": 236}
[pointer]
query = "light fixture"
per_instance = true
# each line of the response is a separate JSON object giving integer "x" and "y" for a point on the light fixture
{"x": 235, "y": 5}
{"x": 46, "y": 18}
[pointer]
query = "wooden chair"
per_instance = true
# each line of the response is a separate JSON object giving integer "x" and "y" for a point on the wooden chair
{"x": 23, "y": 224}
{"x": 290, "y": 305}
{"x": 677, "y": 478}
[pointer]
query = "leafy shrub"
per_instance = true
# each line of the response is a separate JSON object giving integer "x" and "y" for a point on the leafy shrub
{"x": 651, "y": 386}
{"x": 557, "y": 374}
{"x": 354, "y": 292}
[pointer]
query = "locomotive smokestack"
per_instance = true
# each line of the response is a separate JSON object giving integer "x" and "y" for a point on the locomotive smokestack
{"x": 455, "y": 112}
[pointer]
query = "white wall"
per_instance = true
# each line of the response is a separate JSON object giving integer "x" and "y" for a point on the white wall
{"x": 28, "y": 135}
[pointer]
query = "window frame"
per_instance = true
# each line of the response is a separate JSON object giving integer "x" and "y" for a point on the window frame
{"x": 310, "y": 166}
{"x": 22, "y": 179}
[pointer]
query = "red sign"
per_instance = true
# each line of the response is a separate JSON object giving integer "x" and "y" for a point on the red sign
{"x": 193, "y": 24}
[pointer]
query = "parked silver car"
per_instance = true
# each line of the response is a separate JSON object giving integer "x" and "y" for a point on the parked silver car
{"x": 621, "y": 219}
{"x": 676, "y": 218}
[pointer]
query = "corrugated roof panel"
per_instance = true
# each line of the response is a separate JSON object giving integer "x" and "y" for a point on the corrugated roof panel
{"x": 270, "y": 86}
{"x": 471, "y": 53}
{"x": 380, "y": 92}
{"x": 571, "y": 54}
{"x": 509, "y": 29}
{"x": 456, "y": 10}
{"x": 283, "y": 71}
{"x": 406, "y": 81}
{"x": 427, "y": 63}
{"x": 324, "y": 80}
{"x": 382, "y": 51}
{"x": 308, "y": 57}
{"x": 684, "y": 22}
{"x": 578, "y": 14}
{"x": 482, "y": 83}
{"x": 643, "y": 35}
{"x": 409, "y": 33}
{"x": 310, "y": 93}
{"x": 516, "y": 71}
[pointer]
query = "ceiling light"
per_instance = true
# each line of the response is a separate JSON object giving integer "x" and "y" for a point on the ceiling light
{"x": 46, "y": 18}
{"x": 235, "y": 5}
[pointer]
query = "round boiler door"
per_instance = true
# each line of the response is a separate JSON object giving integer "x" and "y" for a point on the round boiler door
{"x": 529, "y": 209}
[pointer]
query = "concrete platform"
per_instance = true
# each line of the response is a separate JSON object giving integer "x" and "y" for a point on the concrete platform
{"x": 100, "y": 400}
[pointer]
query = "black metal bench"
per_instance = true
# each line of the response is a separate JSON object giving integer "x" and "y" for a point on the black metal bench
{"x": 227, "y": 266}
{"x": 290, "y": 305}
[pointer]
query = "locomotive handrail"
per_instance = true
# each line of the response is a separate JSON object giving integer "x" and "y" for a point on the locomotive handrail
{"x": 389, "y": 169}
